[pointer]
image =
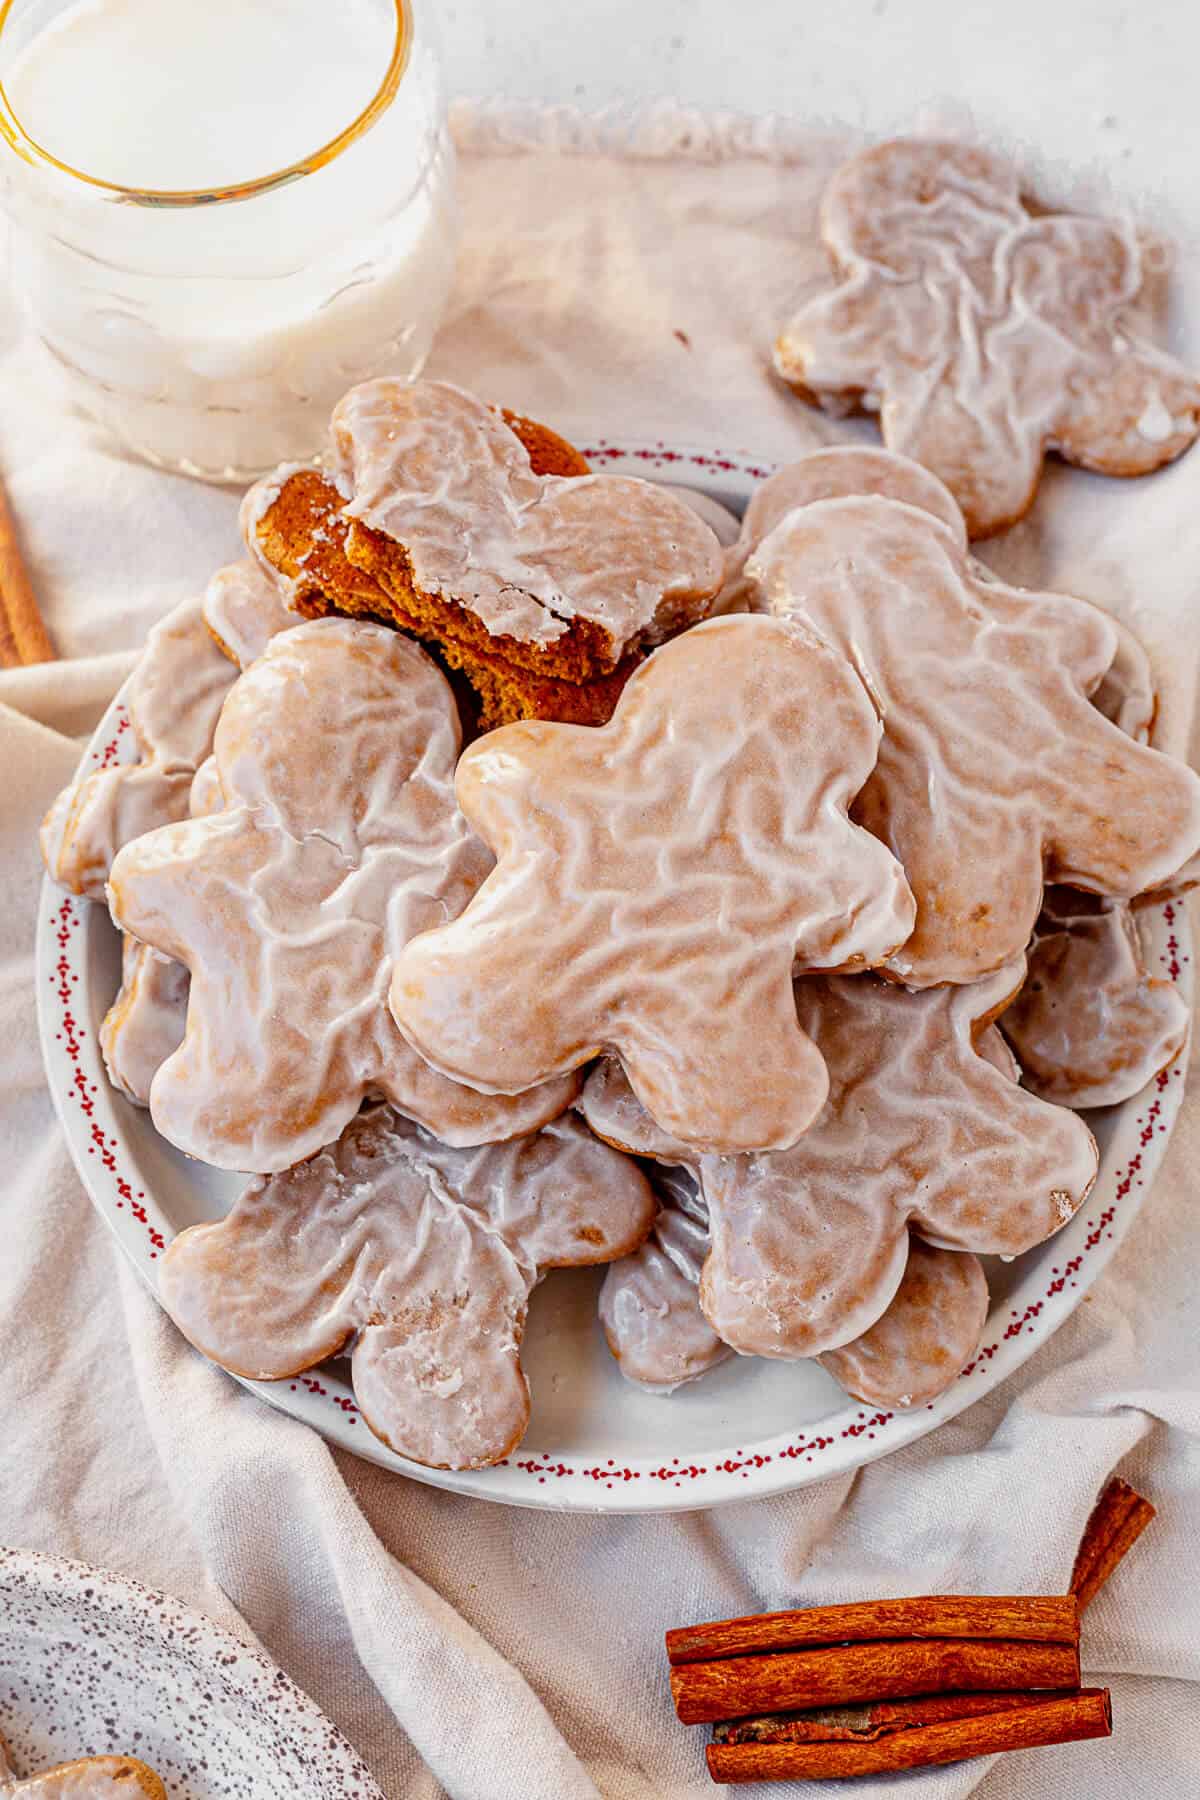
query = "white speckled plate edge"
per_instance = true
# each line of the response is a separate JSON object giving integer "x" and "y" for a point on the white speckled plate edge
{"x": 1044, "y": 1288}
{"x": 92, "y": 1664}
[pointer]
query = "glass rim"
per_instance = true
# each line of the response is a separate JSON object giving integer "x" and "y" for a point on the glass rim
{"x": 31, "y": 151}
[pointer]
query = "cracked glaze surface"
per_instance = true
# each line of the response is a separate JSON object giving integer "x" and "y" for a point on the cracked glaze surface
{"x": 996, "y": 773}
{"x": 424, "y": 1255}
{"x": 982, "y": 333}
{"x": 339, "y": 841}
{"x": 657, "y": 880}
{"x": 924, "y": 1109}
{"x": 438, "y": 472}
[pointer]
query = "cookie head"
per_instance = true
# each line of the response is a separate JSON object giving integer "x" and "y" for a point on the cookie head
{"x": 419, "y": 1257}
{"x": 339, "y": 839}
{"x": 983, "y": 333}
{"x": 657, "y": 881}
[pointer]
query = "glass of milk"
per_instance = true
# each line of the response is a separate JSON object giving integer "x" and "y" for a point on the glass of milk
{"x": 224, "y": 213}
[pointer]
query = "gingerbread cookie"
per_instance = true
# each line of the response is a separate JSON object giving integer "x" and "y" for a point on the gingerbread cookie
{"x": 996, "y": 773}
{"x": 922, "y": 1342}
{"x": 90, "y": 1778}
{"x": 1091, "y": 1026}
{"x": 924, "y": 1115}
{"x": 649, "y": 1303}
{"x": 544, "y": 583}
{"x": 145, "y": 1023}
{"x": 658, "y": 879}
{"x": 420, "y": 1256}
{"x": 984, "y": 333}
{"x": 340, "y": 839}
{"x": 650, "y": 1311}
{"x": 244, "y": 609}
{"x": 174, "y": 699}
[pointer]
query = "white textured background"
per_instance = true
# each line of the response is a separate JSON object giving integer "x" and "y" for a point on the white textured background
{"x": 1102, "y": 85}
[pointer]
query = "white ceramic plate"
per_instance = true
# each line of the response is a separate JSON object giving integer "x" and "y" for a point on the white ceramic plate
{"x": 92, "y": 1665}
{"x": 595, "y": 1443}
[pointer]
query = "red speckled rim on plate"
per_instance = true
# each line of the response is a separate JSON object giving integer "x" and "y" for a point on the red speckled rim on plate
{"x": 1050, "y": 1283}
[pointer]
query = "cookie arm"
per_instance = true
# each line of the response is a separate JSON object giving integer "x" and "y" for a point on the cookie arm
{"x": 1128, "y": 818}
{"x": 1135, "y": 412}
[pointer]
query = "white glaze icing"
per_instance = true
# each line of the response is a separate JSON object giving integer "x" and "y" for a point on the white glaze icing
{"x": 649, "y": 1304}
{"x": 423, "y": 1257}
{"x": 922, "y": 1342}
{"x": 924, "y": 1127}
{"x": 439, "y": 472}
{"x": 175, "y": 697}
{"x": 341, "y": 839}
{"x": 1091, "y": 1027}
{"x": 658, "y": 879}
{"x": 983, "y": 334}
{"x": 205, "y": 795}
{"x": 995, "y": 773}
{"x": 145, "y": 1023}
{"x": 244, "y": 607}
{"x": 1126, "y": 693}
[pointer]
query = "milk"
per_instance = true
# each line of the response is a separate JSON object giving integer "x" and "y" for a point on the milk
{"x": 216, "y": 338}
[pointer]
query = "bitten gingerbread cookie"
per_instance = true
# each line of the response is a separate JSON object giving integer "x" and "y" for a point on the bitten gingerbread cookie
{"x": 90, "y": 1778}
{"x": 924, "y": 1127}
{"x": 996, "y": 773}
{"x": 658, "y": 879}
{"x": 174, "y": 700}
{"x": 487, "y": 535}
{"x": 244, "y": 609}
{"x": 339, "y": 840}
{"x": 1091, "y": 1026}
{"x": 422, "y": 1257}
{"x": 984, "y": 332}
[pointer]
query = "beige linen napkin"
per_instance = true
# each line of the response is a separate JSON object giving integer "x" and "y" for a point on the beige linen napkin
{"x": 468, "y": 1649}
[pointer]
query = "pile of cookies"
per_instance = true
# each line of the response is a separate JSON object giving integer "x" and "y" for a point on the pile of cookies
{"x": 762, "y": 939}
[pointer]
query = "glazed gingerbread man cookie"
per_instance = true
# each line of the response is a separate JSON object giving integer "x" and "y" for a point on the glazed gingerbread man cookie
{"x": 421, "y": 1257}
{"x": 175, "y": 698}
{"x": 657, "y": 880}
{"x": 90, "y": 1778}
{"x": 650, "y": 1312}
{"x": 982, "y": 332}
{"x": 996, "y": 773}
{"x": 339, "y": 840}
{"x": 925, "y": 1111}
{"x": 1091, "y": 1026}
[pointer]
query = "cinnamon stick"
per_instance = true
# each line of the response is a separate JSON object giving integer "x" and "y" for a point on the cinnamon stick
{"x": 738, "y": 1686}
{"x": 860, "y": 1724}
{"x": 1118, "y": 1519}
{"x": 1048, "y": 1620}
{"x": 23, "y": 635}
{"x": 1053, "y": 1719}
